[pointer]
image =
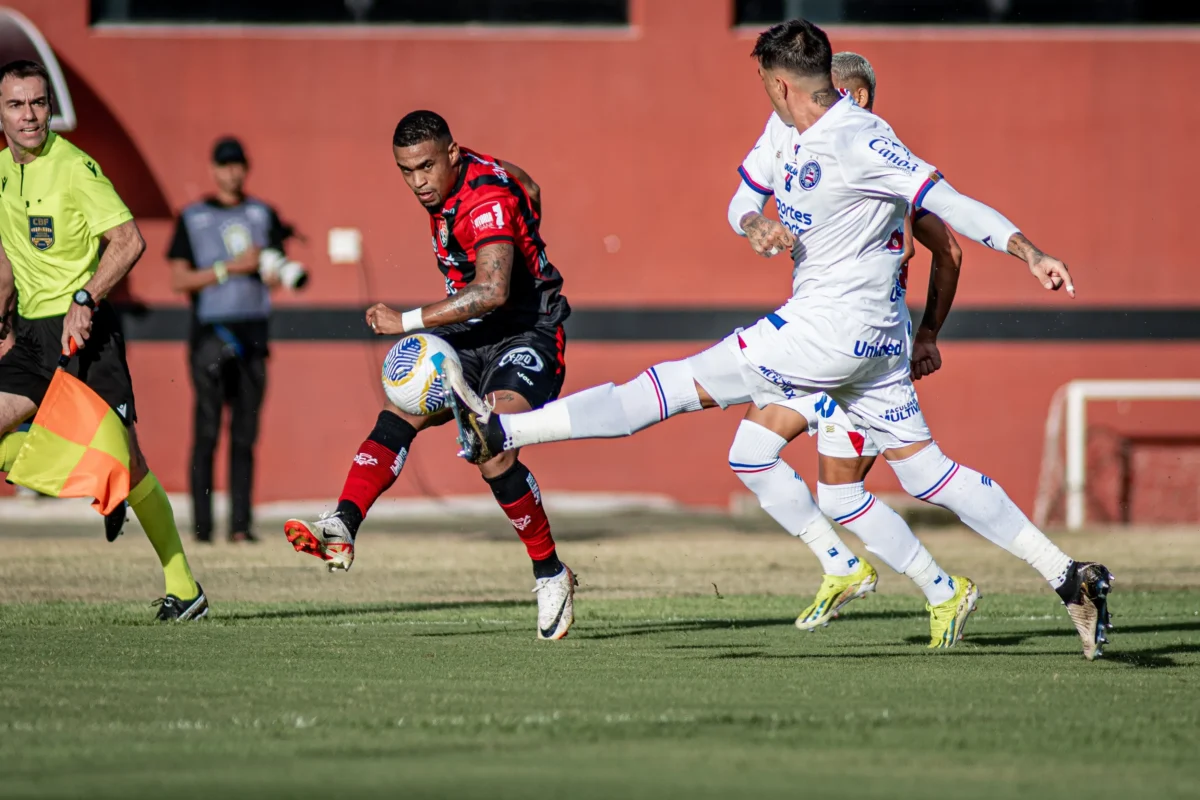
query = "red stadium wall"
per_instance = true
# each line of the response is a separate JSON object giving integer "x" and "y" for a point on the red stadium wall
{"x": 634, "y": 134}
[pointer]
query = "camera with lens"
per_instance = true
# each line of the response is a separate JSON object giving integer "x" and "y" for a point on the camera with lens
{"x": 273, "y": 263}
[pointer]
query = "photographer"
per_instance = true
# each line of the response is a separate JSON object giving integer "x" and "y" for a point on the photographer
{"x": 227, "y": 254}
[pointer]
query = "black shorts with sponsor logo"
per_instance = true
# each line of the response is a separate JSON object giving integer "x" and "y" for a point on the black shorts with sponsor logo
{"x": 531, "y": 363}
{"x": 27, "y": 368}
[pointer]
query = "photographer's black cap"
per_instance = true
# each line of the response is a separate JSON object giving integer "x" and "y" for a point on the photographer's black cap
{"x": 228, "y": 151}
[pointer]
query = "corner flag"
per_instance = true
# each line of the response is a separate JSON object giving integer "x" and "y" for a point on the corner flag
{"x": 76, "y": 447}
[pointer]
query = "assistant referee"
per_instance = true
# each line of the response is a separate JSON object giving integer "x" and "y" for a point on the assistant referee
{"x": 57, "y": 206}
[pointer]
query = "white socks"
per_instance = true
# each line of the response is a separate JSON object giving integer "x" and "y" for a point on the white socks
{"x": 887, "y": 535}
{"x": 550, "y": 423}
{"x": 1032, "y": 546}
{"x": 608, "y": 411}
{"x": 754, "y": 457}
{"x": 983, "y": 506}
{"x": 930, "y": 578}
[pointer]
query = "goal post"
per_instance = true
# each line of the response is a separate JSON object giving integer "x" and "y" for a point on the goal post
{"x": 1068, "y": 409}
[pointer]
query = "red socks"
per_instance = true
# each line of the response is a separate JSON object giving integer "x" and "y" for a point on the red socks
{"x": 381, "y": 457}
{"x": 518, "y": 494}
{"x": 374, "y": 470}
{"x": 376, "y": 467}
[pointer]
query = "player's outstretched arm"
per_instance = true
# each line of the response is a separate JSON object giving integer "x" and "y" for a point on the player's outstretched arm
{"x": 1050, "y": 272}
{"x": 987, "y": 226}
{"x": 936, "y": 237}
{"x": 489, "y": 291}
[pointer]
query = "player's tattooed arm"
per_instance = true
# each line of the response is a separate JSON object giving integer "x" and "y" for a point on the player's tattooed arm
{"x": 1022, "y": 248}
{"x": 767, "y": 237}
{"x": 988, "y": 226}
{"x": 489, "y": 291}
{"x": 1049, "y": 271}
{"x": 936, "y": 236}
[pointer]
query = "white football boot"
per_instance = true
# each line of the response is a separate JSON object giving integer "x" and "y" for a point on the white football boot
{"x": 556, "y": 604}
{"x": 327, "y": 538}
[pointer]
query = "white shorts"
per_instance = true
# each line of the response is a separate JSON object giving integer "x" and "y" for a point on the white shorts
{"x": 836, "y": 435}
{"x": 817, "y": 352}
{"x": 764, "y": 364}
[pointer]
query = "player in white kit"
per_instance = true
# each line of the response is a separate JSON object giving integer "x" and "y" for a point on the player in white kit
{"x": 853, "y": 182}
{"x": 846, "y": 452}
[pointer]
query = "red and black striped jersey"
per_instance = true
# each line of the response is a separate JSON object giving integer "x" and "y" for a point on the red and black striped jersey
{"x": 487, "y": 205}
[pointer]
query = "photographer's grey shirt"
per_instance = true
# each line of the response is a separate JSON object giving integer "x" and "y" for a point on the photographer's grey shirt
{"x": 208, "y": 232}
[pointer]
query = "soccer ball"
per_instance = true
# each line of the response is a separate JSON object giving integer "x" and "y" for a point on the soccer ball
{"x": 410, "y": 379}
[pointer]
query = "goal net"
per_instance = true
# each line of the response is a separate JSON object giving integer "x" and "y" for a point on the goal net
{"x": 1114, "y": 473}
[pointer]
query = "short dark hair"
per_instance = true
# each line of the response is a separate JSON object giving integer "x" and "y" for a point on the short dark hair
{"x": 797, "y": 46}
{"x": 420, "y": 126}
{"x": 24, "y": 68}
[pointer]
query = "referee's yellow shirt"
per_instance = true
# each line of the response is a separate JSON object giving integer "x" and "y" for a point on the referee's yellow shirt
{"x": 55, "y": 210}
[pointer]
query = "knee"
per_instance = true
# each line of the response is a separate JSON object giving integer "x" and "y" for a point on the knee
{"x": 672, "y": 386}
{"x": 512, "y": 483}
{"x": 925, "y": 473}
{"x": 840, "y": 502}
{"x": 836, "y": 470}
{"x": 498, "y": 465}
{"x": 241, "y": 448}
{"x": 754, "y": 452}
{"x": 677, "y": 382}
{"x": 244, "y": 439}
{"x": 395, "y": 430}
{"x": 204, "y": 445}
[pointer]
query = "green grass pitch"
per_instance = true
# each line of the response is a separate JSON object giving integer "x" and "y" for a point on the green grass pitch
{"x": 687, "y": 697}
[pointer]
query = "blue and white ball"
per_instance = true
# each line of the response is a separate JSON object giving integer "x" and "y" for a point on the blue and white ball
{"x": 410, "y": 377}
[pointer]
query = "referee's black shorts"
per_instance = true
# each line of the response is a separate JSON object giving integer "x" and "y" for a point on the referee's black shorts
{"x": 27, "y": 368}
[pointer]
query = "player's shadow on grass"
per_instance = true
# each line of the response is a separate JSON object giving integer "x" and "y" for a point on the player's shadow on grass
{"x": 1142, "y": 658}
{"x": 622, "y": 631}
{"x": 686, "y": 626}
{"x": 1151, "y": 658}
{"x": 1020, "y": 637}
{"x": 493, "y": 630}
{"x": 370, "y": 608}
{"x": 922, "y": 652}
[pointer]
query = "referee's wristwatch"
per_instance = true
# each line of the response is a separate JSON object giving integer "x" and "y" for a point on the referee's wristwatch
{"x": 84, "y": 298}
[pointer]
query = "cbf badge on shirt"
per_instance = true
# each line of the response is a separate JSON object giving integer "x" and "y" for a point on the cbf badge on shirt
{"x": 41, "y": 232}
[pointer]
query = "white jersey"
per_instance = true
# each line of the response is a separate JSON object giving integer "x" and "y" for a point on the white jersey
{"x": 843, "y": 188}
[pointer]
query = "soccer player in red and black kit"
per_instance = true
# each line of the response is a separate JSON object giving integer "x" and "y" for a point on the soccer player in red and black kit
{"x": 503, "y": 314}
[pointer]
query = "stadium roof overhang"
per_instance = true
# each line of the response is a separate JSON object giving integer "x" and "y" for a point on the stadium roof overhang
{"x": 20, "y": 38}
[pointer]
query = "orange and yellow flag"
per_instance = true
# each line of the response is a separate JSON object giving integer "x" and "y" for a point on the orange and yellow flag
{"x": 76, "y": 447}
